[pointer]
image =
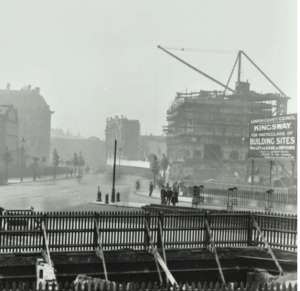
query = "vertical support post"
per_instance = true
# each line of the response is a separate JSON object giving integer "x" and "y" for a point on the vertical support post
{"x": 252, "y": 175}
{"x": 250, "y": 229}
{"x": 114, "y": 172}
{"x": 159, "y": 233}
{"x": 22, "y": 163}
{"x": 146, "y": 235}
{"x": 239, "y": 67}
{"x": 271, "y": 168}
{"x": 207, "y": 234}
{"x": 293, "y": 175}
{"x": 95, "y": 242}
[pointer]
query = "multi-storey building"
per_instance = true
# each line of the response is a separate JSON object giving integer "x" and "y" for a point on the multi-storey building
{"x": 127, "y": 133}
{"x": 207, "y": 131}
{"x": 9, "y": 131}
{"x": 34, "y": 119}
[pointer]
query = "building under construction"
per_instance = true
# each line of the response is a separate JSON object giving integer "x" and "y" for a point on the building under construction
{"x": 208, "y": 131}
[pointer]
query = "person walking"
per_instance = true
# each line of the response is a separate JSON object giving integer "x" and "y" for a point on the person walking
{"x": 138, "y": 185}
{"x": 162, "y": 195}
{"x": 150, "y": 189}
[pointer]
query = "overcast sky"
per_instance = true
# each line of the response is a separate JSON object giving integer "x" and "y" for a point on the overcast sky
{"x": 96, "y": 59}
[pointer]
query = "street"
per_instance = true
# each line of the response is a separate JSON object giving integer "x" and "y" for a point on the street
{"x": 69, "y": 194}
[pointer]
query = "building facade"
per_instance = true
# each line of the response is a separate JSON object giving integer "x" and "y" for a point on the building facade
{"x": 127, "y": 133}
{"x": 9, "y": 131}
{"x": 34, "y": 117}
{"x": 208, "y": 132}
{"x": 92, "y": 149}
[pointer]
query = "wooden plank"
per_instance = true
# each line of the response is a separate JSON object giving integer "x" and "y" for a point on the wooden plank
{"x": 100, "y": 253}
{"x": 215, "y": 251}
{"x": 46, "y": 242}
{"x": 152, "y": 249}
{"x": 268, "y": 247}
{"x": 162, "y": 244}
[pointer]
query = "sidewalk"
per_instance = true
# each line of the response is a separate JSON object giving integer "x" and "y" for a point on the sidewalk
{"x": 43, "y": 178}
{"x": 187, "y": 202}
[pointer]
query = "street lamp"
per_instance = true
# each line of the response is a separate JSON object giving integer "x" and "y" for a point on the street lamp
{"x": 243, "y": 139}
{"x": 120, "y": 149}
{"x": 22, "y": 158}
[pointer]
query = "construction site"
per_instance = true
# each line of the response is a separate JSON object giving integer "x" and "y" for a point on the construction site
{"x": 208, "y": 132}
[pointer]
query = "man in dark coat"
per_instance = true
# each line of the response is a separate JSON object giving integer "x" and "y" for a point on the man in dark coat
{"x": 150, "y": 189}
{"x": 162, "y": 195}
{"x": 169, "y": 196}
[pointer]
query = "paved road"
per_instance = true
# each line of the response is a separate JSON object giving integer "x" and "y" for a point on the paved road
{"x": 68, "y": 194}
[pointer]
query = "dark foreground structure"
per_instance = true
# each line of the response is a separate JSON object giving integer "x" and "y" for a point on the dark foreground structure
{"x": 198, "y": 246}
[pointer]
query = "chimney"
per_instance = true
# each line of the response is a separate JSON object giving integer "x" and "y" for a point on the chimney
{"x": 8, "y": 86}
{"x": 37, "y": 90}
{"x": 29, "y": 87}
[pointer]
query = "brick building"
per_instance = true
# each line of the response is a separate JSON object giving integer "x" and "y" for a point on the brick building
{"x": 34, "y": 117}
{"x": 127, "y": 133}
{"x": 9, "y": 131}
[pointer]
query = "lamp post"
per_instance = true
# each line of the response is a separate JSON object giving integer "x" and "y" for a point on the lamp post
{"x": 243, "y": 139}
{"x": 22, "y": 159}
{"x": 120, "y": 149}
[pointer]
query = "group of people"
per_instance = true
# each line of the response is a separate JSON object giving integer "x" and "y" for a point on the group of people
{"x": 168, "y": 195}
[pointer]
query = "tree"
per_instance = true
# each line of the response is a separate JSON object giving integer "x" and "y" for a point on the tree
{"x": 55, "y": 161}
{"x": 7, "y": 159}
{"x": 164, "y": 163}
{"x": 81, "y": 162}
{"x": 154, "y": 169}
{"x": 35, "y": 166}
{"x": 75, "y": 161}
{"x": 68, "y": 165}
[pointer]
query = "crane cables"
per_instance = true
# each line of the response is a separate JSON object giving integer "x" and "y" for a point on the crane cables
{"x": 203, "y": 50}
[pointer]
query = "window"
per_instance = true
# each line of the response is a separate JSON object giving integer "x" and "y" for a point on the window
{"x": 197, "y": 154}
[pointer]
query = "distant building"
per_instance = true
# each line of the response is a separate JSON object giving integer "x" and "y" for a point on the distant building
{"x": 152, "y": 145}
{"x": 127, "y": 133}
{"x": 92, "y": 149}
{"x": 34, "y": 119}
{"x": 58, "y": 132}
{"x": 9, "y": 131}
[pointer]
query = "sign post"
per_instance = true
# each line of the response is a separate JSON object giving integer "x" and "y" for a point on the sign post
{"x": 273, "y": 137}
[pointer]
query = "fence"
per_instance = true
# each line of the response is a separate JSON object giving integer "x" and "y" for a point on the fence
{"x": 73, "y": 231}
{"x": 149, "y": 287}
{"x": 249, "y": 199}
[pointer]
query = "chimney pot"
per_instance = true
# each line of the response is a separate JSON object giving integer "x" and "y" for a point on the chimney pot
{"x": 29, "y": 87}
{"x": 8, "y": 86}
{"x": 37, "y": 90}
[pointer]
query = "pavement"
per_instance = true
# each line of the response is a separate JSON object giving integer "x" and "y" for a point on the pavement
{"x": 183, "y": 201}
{"x": 43, "y": 178}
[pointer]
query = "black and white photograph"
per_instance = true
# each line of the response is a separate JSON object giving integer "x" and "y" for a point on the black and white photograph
{"x": 148, "y": 145}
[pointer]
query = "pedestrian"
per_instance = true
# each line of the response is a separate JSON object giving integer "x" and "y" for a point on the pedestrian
{"x": 169, "y": 196}
{"x": 176, "y": 193}
{"x": 173, "y": 198}
{"x": 165, "y": 196}
{"x": 138, "y": 185}
{"x": 162, "y": 195}
{"x": 150, "y": 189}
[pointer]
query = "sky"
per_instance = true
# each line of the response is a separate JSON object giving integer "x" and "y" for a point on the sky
{"x": 97, "y": 59}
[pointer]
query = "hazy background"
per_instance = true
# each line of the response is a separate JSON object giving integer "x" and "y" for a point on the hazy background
{"x": 95, "y": 59}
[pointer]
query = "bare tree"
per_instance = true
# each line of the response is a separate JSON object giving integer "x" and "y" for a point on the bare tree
{"x": 55, "y": 162}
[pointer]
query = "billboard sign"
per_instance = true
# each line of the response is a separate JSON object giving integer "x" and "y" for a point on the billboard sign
{"x": 273, "y": 137}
